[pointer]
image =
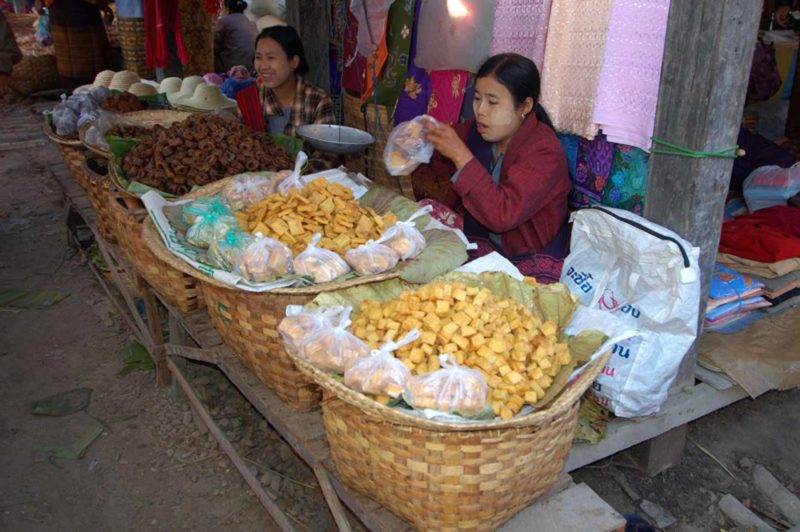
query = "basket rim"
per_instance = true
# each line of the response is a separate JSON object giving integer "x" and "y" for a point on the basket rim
{"x": 560, "y": 404}
{"x": 91, "y": 174}
{"x": 58, "y": 139}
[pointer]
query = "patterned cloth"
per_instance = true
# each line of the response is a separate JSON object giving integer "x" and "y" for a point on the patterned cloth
{"x": 520, "y": 26}
{"x": 593, "y": 169}
{"x": 413, "y": 101}
{"x": 375, "y": 64}
{"x": 80, "y": 40}
{"x": 447, "y": 94}
{"x": 627, "y": 92}
{"x": 572, "y": 60}
{"x": 627, "y": 184}
{"x": 398, "y": 36}
{"x": 355, "y": 64}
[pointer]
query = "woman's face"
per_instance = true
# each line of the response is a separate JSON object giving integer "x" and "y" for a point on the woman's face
{"x": 496, "y": 117}
{"x": 273, "y": 66}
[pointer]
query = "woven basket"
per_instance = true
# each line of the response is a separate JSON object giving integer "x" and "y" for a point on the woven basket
{"x": 150, "y": 118}
{"x": 362, "y": 116}
{"x": 441, "y": 476}
{"x": 35, "y": 73}
{"x": 97, "y": 190}
{"x": 131, "y": 40}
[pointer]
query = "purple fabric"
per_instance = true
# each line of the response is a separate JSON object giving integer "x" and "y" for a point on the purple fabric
{"x": 413, "y": 101}
{"x": 595, "y": 158}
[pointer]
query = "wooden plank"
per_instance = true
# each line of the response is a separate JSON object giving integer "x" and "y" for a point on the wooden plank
{"x": 662, "y": 452}
{"x": 23, "y": 144}
{"x": 154, "y": 327}
{"x": 334, "y": 505}
{"x": 682, "y": 407}
{"x": 740, "y": 515}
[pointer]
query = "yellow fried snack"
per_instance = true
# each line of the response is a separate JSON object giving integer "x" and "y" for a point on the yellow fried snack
{"x": 320, "y": 207}
{"x": 517, "y": 354}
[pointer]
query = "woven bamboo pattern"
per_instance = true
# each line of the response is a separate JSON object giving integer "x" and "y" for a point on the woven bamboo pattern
{"x": 371, "y": 164}
{"x": 74, "y": 157}
{"x": 131, "y": 39}
{"x": 35, "y": 73}
{"x": 97, "y": 188}
{"x": 175, "y": 287}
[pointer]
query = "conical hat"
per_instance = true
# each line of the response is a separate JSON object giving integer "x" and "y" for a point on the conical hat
{"x": 123, "y": 80}
{"x": 170, "y": 85}
{"x": 188, "y": 85}
{"x": 208, "y": 97}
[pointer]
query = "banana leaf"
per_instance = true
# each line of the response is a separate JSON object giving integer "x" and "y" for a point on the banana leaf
{"x": 292, "y": 145}
{"x": 120, "y": 146}
{"x": 444, "y": 252}
{"x": 583, "y": 346}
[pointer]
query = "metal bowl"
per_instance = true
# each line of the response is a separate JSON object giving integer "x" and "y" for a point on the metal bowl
{"x": 335, "y": 139}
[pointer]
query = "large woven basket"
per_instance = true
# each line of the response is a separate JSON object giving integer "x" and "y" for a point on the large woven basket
{"x": 362, "y": 116}
{"x": 150, "y": 118}
{"x": 71, "y": 151}
{"x": 97, "y": 190}
{"x": 131, "y": 40}
{"x": 442, "y": 476}
{"x": 35, "y": 73}
{"x": 248, "y": 322}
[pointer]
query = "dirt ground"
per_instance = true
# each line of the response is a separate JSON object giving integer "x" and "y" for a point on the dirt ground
{"x": 155, "y": 468}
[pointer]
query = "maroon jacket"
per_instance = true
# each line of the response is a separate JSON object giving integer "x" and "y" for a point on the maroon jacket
{"x": 529, "y": 205}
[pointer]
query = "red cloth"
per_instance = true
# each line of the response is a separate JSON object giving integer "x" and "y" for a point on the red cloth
{"x": 529, "y": 206}
{"x": 767, "y": 235}
{"x": 250, "y": 106}
{"x": 161, "y": 17}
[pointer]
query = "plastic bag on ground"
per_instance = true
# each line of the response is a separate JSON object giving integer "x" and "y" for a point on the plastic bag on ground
{"x": 293, "y": 180}
{"x": 264, "y": 259}
{"x": 209, "y": 228}
{"x": 320, "y": 264}
{"x": 299, "y": 324}
{"x": 226, "y": 251}
{"x": 407, "y": 147}
{"x": 453, "y": 389}
{"x": 380, "y": 373}
{"x": 246, "y": 189}
{"x": 371, "y": 258}
{"x": 333, "y": 349}
{"x": 404, "y": 237}
{"x": 771, "y": 185}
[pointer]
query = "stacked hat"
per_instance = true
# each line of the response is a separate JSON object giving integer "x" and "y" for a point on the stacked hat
{"x": 188, "y": 85}
{"x": 103, "y": 79}
{"x": 170, "y": 85}
{"x": 206, "y": 97}
{"x": 142, "y": 89}
{"x": 123, "y": 79}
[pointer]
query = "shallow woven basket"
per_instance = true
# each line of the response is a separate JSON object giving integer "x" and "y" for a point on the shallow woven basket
{"x": 443, "y": 476}
{"x": 248, "y": 322}
{"x": 97, "y": 190}
{"x": 150, "y": 118}
{"x": 72, "y": 152}
{"x": 362, "y": 116}
{"x": 132, "y": 42}
{"x": 35, "y": 73}
{"x": 175, "y": 287}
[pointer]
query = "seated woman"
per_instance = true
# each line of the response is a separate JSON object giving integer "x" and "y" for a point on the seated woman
{"x": 504, "y": 171}
{"x": 288, "y": 101}
{"x": 234, "y": 35}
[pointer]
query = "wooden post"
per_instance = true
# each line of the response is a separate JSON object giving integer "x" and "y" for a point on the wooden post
{"x": 312, "y": 20}
{"x": 707, "y": 57}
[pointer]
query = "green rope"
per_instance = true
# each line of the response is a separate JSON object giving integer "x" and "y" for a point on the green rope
{"x": 727, "y": 153}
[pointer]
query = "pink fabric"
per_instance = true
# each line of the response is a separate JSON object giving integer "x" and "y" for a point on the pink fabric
{"x": 520, "y": 26}
{"x": 447, "y": 94}
{"x": 627, "y": 92}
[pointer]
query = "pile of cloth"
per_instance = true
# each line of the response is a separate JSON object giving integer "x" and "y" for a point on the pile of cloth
{"x": 732, "y": 299}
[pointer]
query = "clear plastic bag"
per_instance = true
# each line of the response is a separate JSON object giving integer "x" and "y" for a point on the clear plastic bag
{"x": 299, "y": 324}
{"x": 333, "y": 349}
{"x": 264, "y": 259}
{"x": 203, "y": 206}
{"x": 209, "y": 228}
{"x": 320, "y": 264}
{"x": 768, "y": 186}
{"x": 404, "y": 237}
{"x": 293, "y": 180}
{"x": 380, "y": 373}
{"x": 246, "y": 189}
{"x": 453, "y": 389}
{"x": 371, "y": 258}
{"x": 407, "y": 147}
{"x": 225, "y": 251}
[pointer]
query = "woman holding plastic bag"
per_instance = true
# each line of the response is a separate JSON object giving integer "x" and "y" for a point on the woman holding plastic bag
{"x": 505, "y": 171}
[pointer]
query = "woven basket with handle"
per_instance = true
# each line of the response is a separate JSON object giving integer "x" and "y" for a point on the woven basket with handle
{"x": 35, "y": 73}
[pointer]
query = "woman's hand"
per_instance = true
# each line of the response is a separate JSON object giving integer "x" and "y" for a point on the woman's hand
{"x": 447, "y": 142}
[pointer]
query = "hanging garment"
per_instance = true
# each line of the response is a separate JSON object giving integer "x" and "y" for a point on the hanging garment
{"x": 767, "y": 235}
{"x": 80, "y": 41}
{"x": 374, "y": 67}
{"x": 627, "y": 92}
{"x": 627, "y": 183}
{"x": 413, "y": 100}
{"x": 520, "y": 26}
{"x": 594, "y": 161}
{"x": 576, "y": 36}
{"x": 398, "y": 38}
{"x": 355, "y": 64}
{"x": 447, "y": 94}
{"x": 160, "y": 18}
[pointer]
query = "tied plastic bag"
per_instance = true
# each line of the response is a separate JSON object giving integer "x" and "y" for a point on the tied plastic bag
{"x": 209, "y": 228}
{"x": 371, "y": 258}
{"x": 106, "y": 121}
{"x": 771, "y": 185}
{"x": 404, "y": 237}
{"x": 320, "y": 264}
{"x": 226, "y": 251}
{"x": 202, "y": 207}
{"x": 408, "y": 146}
{"x": 299, "y": 324}
{"x": 453, "y": 389}
{"x": 293, "y": 180}
{"x": 334, "y": 349}
{"x": 65, "y": 118}
{"x": 246, "y": 189}
{"x": 380, "y": 373}
{"x": 43, "y": 35}
{"x": 264, "y": 259}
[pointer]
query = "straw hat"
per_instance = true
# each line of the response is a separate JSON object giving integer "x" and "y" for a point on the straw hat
{"x": 103, "y": 79}
{"x": 208, "y": 97}
{"x": 170, "y": 85}
{"x": 142, "y": 89}
{"x": 188, "y": 85}
{"x": 123, "y": 79}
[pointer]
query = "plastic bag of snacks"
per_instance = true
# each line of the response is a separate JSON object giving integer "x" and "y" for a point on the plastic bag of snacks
{"x": 408, "y": 147}
{"x": 226, "y": 251}
{"x": 320, "y": 264}
{"x": 333, "y": 349}
{"x": 209, "y": 228}
{"x": 247, "y": 189}
{"x": 299, "y": 324}
{"x": 201, "y": 207}
{"x": 372, "y": 257}
{"x": 404, "y": 237}
{"x": 453, "y": 389}
{"x": 380, "y": 373}
{"x": 293, "y": 180}
{"x": 264, "y": 259}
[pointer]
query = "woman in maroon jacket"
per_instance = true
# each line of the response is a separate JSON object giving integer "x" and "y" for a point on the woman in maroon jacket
{"x": 505, "y": 171}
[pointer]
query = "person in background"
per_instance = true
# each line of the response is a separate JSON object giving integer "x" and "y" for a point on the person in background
{"x": 9, "y": 54}
{"x": 287, "y": 100}
{"x": 504, "y": 171}
{"x": 234, "y": 36}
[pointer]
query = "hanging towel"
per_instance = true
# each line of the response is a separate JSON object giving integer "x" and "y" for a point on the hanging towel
{"x": 576, "y": 35}
{"x": 398, "y": 38}
{"x": 447, "y": 94}
{"x": 520, "y": 26}
{"x": 627, "y": 93}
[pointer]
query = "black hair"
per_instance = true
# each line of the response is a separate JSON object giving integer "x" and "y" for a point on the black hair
{"x": 520, "y": 76}
{"x": 290, "y": 42}
{"x": 236, "y": 6}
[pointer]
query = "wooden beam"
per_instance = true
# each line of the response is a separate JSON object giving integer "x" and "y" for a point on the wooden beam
{"x": 312, "y": 20}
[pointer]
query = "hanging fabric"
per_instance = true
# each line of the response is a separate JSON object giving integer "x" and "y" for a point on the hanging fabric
{"x": 398, "y": 37}
{"x": 627, "y": 183}
{"x": 413, "y": 100}
{"x": 520, "y": 26}
{"x": 355, "y": 64}
{"x": 573, "y": 57}
{"x": 161, "y": 18}
{"x": 447, "y": 94}
{"x": 371, "y": 16}
{"x": 595, "y": 158}
{"x": 375, "y": 63}
{"x": 627, "y": 91}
